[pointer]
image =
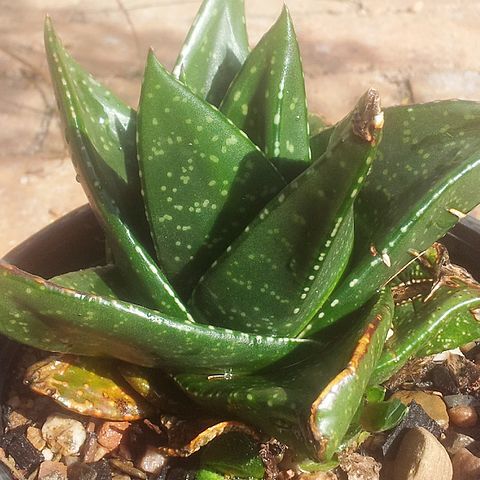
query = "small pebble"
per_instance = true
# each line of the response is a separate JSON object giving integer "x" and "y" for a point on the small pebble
{"x": 17, "y": 446}
{"x": 100, "y": 453}
{"x": 63, "y": 434}
{"x": 110, "y": 434}
{"x": 47, "y": 454}
{"x": 460, "y": 400}
{"x": 312, "y": 476}
{"x": 468, "y": 347}
{"x": 104, "y": 472}
{"x": 359, "y": 467}
{"x": 70, "y": 460}
{"x": 90, "y": 447}
{"x": 463, "y": 416}
{"x": 52, "y": 471}
{"x": 466, "y": 466}
{"x": 81, "y": 471}
{"x": 419, "y": 455}
{"x": 152, "y": 461}
{"x": 128, "y": 468}
{"x": 454, "y": 442}
{"x": 34, "y": 436}
{"x": 16, "y": 419}
{"x": 289, "y": 474}
{"x": 432, "y": 404}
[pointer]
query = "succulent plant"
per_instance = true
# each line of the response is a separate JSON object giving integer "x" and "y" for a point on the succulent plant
{"x": 257, "y": 264}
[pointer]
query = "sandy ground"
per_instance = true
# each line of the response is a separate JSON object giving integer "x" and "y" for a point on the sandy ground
{"x": 412, "y": 51}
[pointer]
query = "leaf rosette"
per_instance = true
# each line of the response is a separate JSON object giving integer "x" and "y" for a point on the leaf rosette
{"x": 257, "y": 255}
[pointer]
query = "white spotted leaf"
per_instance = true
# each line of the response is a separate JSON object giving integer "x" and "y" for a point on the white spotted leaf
{"x": 203, "y": 179}
{"x": 428, "y": 168}
{"x": 305, "y": 402}
{"x": 267, "y": 99}
{"x": 44, "y": 315}
{"x": 280, "y": 271}
{"x": 106, "y": 281}
{"x": 319, "y": 142}
{"x": 87, "y": 386}
{"x": 214, "y": 50}
{"x": 437, "y": 309}
{"x": 100, "y": 132}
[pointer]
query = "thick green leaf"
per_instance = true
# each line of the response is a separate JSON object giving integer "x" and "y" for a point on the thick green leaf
{"x": 337, "y": 404}
{"x": 375, "y": 393}
{"x": 89, "y": 386}
{"x": 430, "y": 321}
{"x": 428, "y": 164}
{"x": 214, "y": 50}
{"x": 152, "y": 384}
{"x": 39, "y": 313}
{"x": 311, "y": 466}
{"x": 100, "y": 131}
{"x": 106, "y": 281}
{"x": 235, "y": 455}
{"x": 267, "y": 99}
{"x": 104, "y": 126}
{"x": 307, "y": 403}
{"x": 381, "y": 416}
{"x": 203, "y": 180}
{"x": 278, "y": 273}
{"x": 204, "y": 474}
{"x": 319, "y": 142}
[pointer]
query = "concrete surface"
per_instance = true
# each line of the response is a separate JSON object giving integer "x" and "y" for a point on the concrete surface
{"x": 412, "y": 51}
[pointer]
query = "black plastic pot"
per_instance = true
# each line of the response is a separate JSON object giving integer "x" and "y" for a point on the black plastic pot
{"x": 76, "y": 241}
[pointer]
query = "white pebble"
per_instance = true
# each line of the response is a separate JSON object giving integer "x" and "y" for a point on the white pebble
{"x": 63, "y": 434}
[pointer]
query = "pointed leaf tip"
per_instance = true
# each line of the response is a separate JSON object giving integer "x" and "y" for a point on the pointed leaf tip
{"x": 267, "y": 100}
{"x": 203, "y": 180}
{"x": 100, "y": 132}
{"x": 307, "y": 259}
{"x": 432, "y": 166}
{"x": 214, "y": 50}
{"x": 368, "y": 116}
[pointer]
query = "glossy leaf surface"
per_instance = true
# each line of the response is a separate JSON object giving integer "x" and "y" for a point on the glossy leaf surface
{"x": 39, "y": 313}
{"x": 381, "y": 416}
{"x": 100, "y": 132}
{"x": 89, "y": 386}
{"x": 431, "y": 321}
{"x": 319, "y": 142}
{"x": 203, "y": 180}
{"x": 311, "y": 466}
{"x": 278, "y": 273}
{"x": 267, "y": 99}
{"x": 428, "y": 163}
{"x": 204, "y": 474}
{"x": 235, "y": 455}
{"x": 106, "y": 281}
{"x": 307, "y": 402}
{"x": 214, "y": 50}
